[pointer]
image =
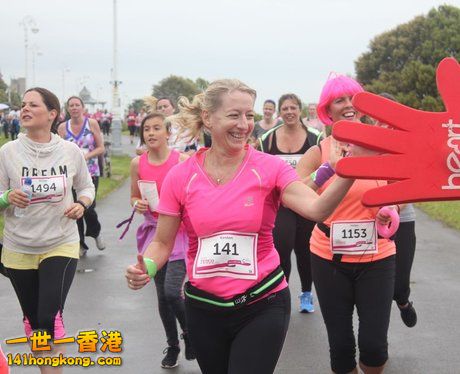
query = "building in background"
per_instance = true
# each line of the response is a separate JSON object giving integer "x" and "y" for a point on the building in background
{"x": 18, "y": 85}
{"x": 91, "y": 104}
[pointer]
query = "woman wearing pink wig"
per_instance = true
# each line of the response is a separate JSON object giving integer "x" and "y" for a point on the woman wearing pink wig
{"x": 351, "y": 265}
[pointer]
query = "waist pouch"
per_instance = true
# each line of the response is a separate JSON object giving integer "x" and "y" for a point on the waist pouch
{"x": 206, "y": 300}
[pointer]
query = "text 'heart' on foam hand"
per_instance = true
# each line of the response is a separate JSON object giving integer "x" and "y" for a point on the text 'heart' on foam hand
{"x": 421, "y": 152}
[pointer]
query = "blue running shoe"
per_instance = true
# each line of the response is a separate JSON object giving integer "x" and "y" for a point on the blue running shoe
{"x": 306, "y": 302}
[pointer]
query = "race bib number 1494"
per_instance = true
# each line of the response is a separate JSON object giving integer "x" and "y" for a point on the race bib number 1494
{"x": 48, "y": 189}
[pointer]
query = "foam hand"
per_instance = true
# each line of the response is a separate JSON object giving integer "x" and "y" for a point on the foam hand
{"x": 421, "y": 152}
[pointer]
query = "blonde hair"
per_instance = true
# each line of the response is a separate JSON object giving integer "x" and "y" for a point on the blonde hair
{"x": 189, "y": 118}
{"x": 150, "y": 104}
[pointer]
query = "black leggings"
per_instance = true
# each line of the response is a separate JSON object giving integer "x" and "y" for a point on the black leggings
{"x": 340, "y": 286}
{"x": 405, "y": 250}
{"x": 293, "y": 232}
{"x": 245, "y": 341}
{"x": 169, "y": 282}
{"x": 93, "y": 226}
{"x": 42, "y": 293}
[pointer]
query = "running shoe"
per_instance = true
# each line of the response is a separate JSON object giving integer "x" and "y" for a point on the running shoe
{"x": 189, "y": 351}
{"x": 100, "y": 243}
{"x": 83, "y": 251}
{"x": 306, "y": 302}
{"x": 408, "y": 314}
{"x": 170, "y": 360}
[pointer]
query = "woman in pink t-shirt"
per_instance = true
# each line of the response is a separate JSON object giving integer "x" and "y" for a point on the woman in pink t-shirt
{"x": 227, "y": 196}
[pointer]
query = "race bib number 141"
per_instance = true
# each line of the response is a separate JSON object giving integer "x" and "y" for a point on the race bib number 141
{"x": 227, "y": 254}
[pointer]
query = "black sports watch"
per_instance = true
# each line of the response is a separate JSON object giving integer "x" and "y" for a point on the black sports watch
{"x": 85, "y": 208}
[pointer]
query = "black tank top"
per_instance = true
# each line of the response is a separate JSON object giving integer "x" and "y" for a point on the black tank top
{"x": 291, "y": 158}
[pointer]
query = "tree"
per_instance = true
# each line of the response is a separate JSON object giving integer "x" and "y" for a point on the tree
{"x": 174, "y": 86}
{"x": 137, "y": 105}
{"x": 403, "y": 61}
{"x": 3, "y": 88}
{"x": 201, "y": 84}
{"x": 14, "y": 96}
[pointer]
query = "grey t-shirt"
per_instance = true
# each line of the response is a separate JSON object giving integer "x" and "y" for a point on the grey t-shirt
{"x": 259, "y": 130}
{"x": 407, "y": 214}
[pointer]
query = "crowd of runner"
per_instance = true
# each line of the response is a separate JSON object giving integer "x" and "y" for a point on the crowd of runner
{"x": 222, "y": 272}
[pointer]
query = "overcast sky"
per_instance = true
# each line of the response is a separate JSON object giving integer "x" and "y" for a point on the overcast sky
{"x": 275, "y": 46}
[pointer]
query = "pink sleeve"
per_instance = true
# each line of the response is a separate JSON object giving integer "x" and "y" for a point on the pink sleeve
{"x": 171, "y": 189}
{"x": 285, "y": 176}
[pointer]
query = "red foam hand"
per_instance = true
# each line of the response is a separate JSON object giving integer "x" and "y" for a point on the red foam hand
{"x": 421, "y": 152}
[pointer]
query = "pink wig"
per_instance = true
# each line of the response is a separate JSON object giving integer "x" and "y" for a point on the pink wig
{"x": 335, "y": 87}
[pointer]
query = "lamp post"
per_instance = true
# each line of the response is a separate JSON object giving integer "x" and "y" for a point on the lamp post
{"x": 29, "y": 24}
{"x": 65, "y": 70}
{"x": 81, "y": 82}
{"x": 116, "y": 110}
{"x": 35, "y": 53}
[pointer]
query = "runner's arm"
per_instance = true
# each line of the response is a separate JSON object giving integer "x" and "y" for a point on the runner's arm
{"x": 61, "y": 130}
{"x": 82, "y": 181}
{"x": 162, "y": 244}
{"x": 308, "y": 163}
{"x": 136, "y": 196}
{"x": 98, "y": 140}
{"x": 304, "y": 201}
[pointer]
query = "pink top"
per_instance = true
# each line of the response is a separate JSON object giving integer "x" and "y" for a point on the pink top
{"x": 245, "y": 206}
{"x": 157, "y": 173}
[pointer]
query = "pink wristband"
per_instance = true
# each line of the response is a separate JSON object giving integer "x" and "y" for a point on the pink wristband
{"x": 387, "y": 231}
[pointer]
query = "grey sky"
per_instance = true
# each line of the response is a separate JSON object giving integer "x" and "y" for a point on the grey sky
{"x": 276, "y": 46}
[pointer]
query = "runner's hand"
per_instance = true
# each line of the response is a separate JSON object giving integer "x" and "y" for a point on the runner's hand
{"x": 337, "y": 151}
{"x": 422, "y": 151}
{"x": 384, "y": 218}
{"x": 141, "y": 206}
{"x": 18, "y": 198}
{"x": 74, "y": 211}
{"x": 136, "y": 275}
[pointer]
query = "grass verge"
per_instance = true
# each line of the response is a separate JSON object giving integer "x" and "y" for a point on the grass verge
{"x": 120, "y": 172}
{"x": 447, "y": 212}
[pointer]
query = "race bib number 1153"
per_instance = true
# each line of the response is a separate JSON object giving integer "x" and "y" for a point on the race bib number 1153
{"x": 354, "y": 237}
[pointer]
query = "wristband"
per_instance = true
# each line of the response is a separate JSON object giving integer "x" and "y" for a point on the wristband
{"x": 4, "y": 203}
{"x": 85, "y": 208}
{"x": 151, "y": 267}
{"x": 323, "y": 174}
{"x": 387, "y": 231}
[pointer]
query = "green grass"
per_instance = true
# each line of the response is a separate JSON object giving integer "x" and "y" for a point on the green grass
{"x": 3, "y": 141}
{"x": 120, "y": 172}
{"x": 444, "y": 211}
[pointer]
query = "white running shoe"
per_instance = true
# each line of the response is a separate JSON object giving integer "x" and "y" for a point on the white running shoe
{"x": 100, "y": 243}
{"x": 82, "y": 251}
